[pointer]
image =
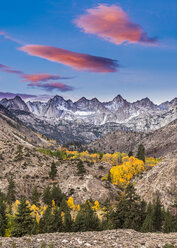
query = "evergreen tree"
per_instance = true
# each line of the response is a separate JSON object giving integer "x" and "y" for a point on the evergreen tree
{"x": 58, "y": 224}
{"x": 53, "y": 171}
{"x": 68, "y": 222}
{"x": 86, "y": 219}
{"x": 47, "y": 221}
{"x": 148, "y": 225}
{"x": 168, "y": 225}
{"x": 35, "y": 197}
{"x": 129, "y": 212}
{"x": 23, "y": 222}
{"x": 64, "y": 206}
{"x": 3, "y": 218}
{"x": 141, "y": 153}
{"x": 11, "y": 192}
{"x": 109, "y": 177}
{"x": 130, "y": 154}
{"x": 157, "y": 215}
{"x": 80, "y": 168}
{"x": 57, "y": 195}
{"x": 46, "y": 197}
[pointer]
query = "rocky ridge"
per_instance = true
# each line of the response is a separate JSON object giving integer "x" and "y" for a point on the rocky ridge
{"x": 87, "y": 119}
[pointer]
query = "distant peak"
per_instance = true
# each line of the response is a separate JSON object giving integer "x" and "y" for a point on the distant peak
{"x": 119, "y": 98}
{"x": 82, "y": 99}
{"x": 18, "y": 98}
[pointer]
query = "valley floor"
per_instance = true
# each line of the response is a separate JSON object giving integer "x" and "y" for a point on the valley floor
{"x": 104, "y": 239}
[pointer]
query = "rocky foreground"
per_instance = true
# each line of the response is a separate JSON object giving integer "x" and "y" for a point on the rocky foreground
{"x": 105, "y": 239}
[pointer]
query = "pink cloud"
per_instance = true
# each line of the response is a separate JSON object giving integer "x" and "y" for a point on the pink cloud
{"x": 112, "y": 24}
{"x": 41, "y": 77}
{"x": 78, "y": 61}
{"x": 52, "y": 86}
{"x": 8, "y": 69}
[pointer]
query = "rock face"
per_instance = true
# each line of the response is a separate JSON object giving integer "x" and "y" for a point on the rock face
{"x": 160, "y": 181}
{"x": 158, "y": 143}
{"x": 108, "y": 239}
{"x": 91, "y": 115}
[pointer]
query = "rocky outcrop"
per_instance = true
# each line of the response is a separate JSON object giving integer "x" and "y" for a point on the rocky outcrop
{"x": 108, "y": 239}
{"x": 160, "y": 181}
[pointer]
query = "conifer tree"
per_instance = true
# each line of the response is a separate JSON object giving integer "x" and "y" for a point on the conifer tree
{"x": 47, "y": 221}
{"x": 58, "y": 224}
{"x": 141, "y": 153}
{"x": 168, "y": 225}
{"x": 46, "y": 197}
{"x": 109, "y": 177}
{"x": 130, "y": 154}
{"x": 23, "y": 222}
{"x": 57, "y": 195}
{"x": 86, "y": 219}
{"x": 35, "y": 196}
{"x": 129, "y": 210}
{"x": 3, "y": 218}
{"x": 68, "y": 222}
{"x": 157, "y": 215}
{"x": 11, "y": 192}
{"x": 80, "y": 168}
{"x": 148, "y": 225}
{"x": 53, "y": 171}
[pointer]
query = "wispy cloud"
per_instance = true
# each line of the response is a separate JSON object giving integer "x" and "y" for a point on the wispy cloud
{"x": 8, "y": 37}
{"x": 41, "y": 77}
{"x": 111, "y": 23}
{"x": 52, "y": 86}
{"x": 8, "y": 69}
{"x": 79, "y": 61}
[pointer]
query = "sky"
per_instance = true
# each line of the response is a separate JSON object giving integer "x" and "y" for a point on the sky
{"x": 89, "y": 48}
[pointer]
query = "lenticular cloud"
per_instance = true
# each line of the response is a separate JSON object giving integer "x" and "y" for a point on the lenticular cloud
{"x": 79, "y": 61}
{"x": 112, "y": 24}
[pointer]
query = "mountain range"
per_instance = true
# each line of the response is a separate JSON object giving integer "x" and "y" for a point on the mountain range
{"x": 86, "y": 120}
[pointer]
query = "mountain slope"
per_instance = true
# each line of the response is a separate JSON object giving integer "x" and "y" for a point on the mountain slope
{"x": 157, "y": 143}
{"x": 20, "y": 158}
{"x": 160, "y": 181}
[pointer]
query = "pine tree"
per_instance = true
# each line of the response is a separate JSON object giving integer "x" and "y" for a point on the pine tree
{"x": 23, "y": 222}
{"x": 129, "y": 211}
{"x": 141, "y": 153}
{"x": 46, "y": 197}
{"x": 148, "y": 225}
{"x": 58, "y": 224}
{"x": 11, "y": 192}
{"x": 80, "y": 168}
{"x": 68, "y": 222}
{"x": 3, "y": 218}
{"x": 57, "y": 195}
{"x": 109, "y": 177}
{"x": 53, "y": 171}
{"x": 130, "y": 154}
{"x": 47, "y": 221}
{"x": 35, "y": 197}
{"x": 157, "y": 215}
{"x": 168, "y": 225}
{"x": 86, "y": 219}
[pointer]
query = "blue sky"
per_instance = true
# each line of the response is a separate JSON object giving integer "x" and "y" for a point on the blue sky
{"x": 144, "y": 69}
